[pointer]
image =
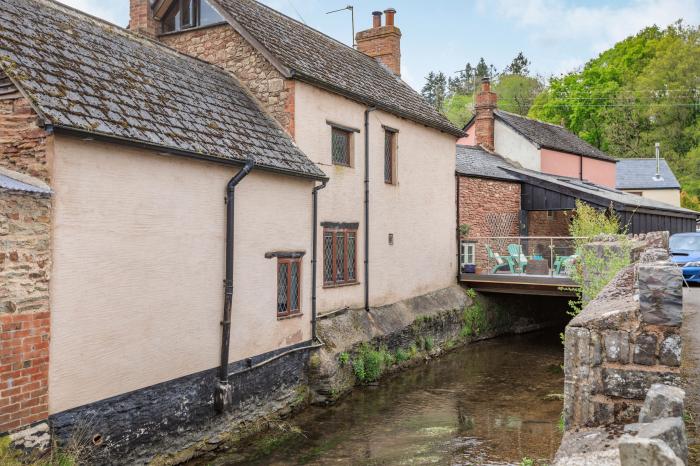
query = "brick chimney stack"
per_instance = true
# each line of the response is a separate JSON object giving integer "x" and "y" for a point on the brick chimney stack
{"x": 382, "y": 42}
{"x": 486, "y": 103}
{"x": 141, "y": 18}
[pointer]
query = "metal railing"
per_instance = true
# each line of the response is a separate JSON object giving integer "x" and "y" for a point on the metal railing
{"x": 553, "y": 256}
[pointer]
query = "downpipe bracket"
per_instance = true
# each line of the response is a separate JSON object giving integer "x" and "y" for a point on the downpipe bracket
{"x": 223, "y": 397}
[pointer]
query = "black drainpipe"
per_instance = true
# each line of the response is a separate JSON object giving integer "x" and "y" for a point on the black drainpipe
{"x": 222, "y": 394}
{"x": 367, "y": 112}
{"x": 314, "y": 257}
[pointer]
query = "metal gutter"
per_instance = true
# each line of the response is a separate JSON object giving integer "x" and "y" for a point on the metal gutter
{"x": 223, "y": 393}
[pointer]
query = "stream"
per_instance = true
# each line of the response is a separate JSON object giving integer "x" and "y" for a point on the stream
{"x": 483, "y": 404}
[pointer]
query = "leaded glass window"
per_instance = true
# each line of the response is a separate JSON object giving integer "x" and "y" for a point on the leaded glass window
{"x": 339, "y": 256}
{"x": 288, "y": 287}
{"x": 389, "y": 157}
{"x": 340, "y": 142}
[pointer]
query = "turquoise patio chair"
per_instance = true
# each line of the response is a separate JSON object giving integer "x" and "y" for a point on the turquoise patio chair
{"x": 563, "y": 262}
{"x": 516, "y": 252}
{"x": 502, "y": 262}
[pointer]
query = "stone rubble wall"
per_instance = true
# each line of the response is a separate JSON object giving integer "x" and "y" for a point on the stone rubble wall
{"x": 25, "y": 265}
{"x": 659, "y": 438}
{"x": 625, "y": 340}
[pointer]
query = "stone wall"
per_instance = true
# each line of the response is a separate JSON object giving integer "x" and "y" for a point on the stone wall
{"x": 625, "y": 340}
{"x": 24, "y": 145}
{"x": 224, "y": 47}
{"x": 25, "y": 265}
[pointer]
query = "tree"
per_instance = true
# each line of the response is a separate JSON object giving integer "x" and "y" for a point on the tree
{"x": 520, "y": 66}
{"x": 483, "y": 70}
{"x": 516, "y": 92}
{"x": 645, "y": 89}
{"x": 435, "y": 89}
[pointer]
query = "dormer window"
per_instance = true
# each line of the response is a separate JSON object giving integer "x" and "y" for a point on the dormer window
{"x": 186, "y": 14}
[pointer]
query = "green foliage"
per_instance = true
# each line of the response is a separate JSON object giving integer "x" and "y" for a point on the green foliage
{"x": 641, "y": 91}
{"x": 369, "y": 363}
{"x": 471, "y": 293}
{"x": 56, "y": 456}
{"x": 402, "y": 355}
{"x": 595, "y": 268}
{"x": 519, "y": 66}
{"x": 560, "y": 423}
{"x": 517, "y": 92}
{"x": 343, "y": 358}
{"x": 458, "y": 108}
{"x": 464, "y": 229}
{"x": 474, "y": 321}
{"x": 428, "y": 343}
{"x": 435, "y": 89}
{"x": 527, "y": 462}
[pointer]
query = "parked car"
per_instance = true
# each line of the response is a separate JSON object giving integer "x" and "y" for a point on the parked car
{"x": 685, "y": 251}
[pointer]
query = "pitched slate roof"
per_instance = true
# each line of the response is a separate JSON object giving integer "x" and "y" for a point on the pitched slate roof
{"x": 308, "y": 55}
{"x": 639, "y": 174}
{"x": 602, "y": 192}
{"x": 88, "y": 75}
{"x": 475, "y": 161}
{"x": 548, "y": 135}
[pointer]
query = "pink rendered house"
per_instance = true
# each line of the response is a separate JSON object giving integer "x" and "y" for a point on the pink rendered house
{"x": 536, "y": 145}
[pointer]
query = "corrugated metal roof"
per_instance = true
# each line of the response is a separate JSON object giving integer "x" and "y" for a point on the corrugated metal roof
{"x": 12, "y": 184}
{"x": 88, "y": 75}
{"x": 639, "y": 174}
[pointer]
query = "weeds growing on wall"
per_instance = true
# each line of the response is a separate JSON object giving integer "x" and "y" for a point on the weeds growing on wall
{"x": 55, "y": 457}
{"x": 369, "y": 363}
{"x": 594, "y": 269}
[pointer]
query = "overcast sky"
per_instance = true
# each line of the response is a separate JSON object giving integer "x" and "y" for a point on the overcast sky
{"x": 443, "y": 35}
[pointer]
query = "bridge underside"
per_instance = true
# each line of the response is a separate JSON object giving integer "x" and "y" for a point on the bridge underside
{"x": 539, "y": 285}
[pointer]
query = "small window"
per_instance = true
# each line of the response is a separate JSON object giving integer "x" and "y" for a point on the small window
{"x": 468, "y": 254}
{"x": 389, "y": 157}
{"x": 341, "y": 146}
{"x": 339, "y": 256}
{"x": 288, "y": 289}
{"x": 186, "y": 14}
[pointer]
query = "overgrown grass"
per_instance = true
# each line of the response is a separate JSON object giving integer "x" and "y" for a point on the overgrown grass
{"x": 595, "y": 269}
{"x": 54, "y": 457}
{"x": 369, "y": 363}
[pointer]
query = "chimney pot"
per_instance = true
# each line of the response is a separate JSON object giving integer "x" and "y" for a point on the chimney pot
{"x": 389, "y": 14}
{"x": 376, "y": 19}
{"x": 485, "y": 84}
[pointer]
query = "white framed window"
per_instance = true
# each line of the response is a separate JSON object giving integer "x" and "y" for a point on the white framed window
{"x": 467, "y": 253}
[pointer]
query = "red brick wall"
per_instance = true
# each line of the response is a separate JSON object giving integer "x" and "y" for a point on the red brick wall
{"x": 141, "y": 18}
{"x": 382, "y": 43}
{"x": 479, "y": 197}
{"x": 224, "y": 47}
{"x": 540, "y": 224}
{"x": 25, "y": 264}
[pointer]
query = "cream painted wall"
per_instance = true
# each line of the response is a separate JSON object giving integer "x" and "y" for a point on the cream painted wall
{"x": 515, "y": 147}
{"x": 669, "y": 196}
{"x": 137, "y": 282}
{"x": 419, "y": 210}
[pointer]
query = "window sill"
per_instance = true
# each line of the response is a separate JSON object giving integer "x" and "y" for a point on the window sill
{"x": 291, "y": 316}
{"x": 341, "y": 285}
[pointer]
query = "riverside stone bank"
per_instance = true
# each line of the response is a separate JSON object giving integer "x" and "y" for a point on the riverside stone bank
{"x": 619, "y": 351}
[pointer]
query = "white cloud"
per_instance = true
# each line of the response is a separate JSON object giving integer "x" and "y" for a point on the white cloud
{"x": 115, "y": 11}
{"x": 549, "y": 22}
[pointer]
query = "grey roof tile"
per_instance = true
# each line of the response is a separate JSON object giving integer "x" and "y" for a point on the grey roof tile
{"x": 475, "y": 161}
{"x": 319, "y": 59}
{"x": 639, "y": 174}
{"x": 88, "y": 75}
{"x": 551, "y": 136}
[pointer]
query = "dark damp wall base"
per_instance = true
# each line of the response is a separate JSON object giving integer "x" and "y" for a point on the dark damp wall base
{"x": 135, "y": 427}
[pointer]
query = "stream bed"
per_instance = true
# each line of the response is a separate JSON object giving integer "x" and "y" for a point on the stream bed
{"x": 484, "y": 404}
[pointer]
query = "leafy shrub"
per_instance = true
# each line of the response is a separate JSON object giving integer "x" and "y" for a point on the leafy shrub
{"x": 369, "y": 363}
{"x": 428, "y": 343}
{"x": 402, "y": 355}
{"x": 343, "y": 358}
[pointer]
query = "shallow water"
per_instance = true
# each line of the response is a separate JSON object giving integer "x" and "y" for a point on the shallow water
{"x": 481, "y": 404}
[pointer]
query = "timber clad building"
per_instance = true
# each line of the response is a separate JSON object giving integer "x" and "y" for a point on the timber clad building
{"x": 119, "y": 149}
